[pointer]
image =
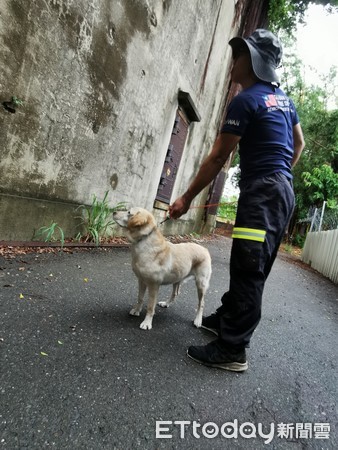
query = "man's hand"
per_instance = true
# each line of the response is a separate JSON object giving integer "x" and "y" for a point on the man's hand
{"x": 179, "y": 207}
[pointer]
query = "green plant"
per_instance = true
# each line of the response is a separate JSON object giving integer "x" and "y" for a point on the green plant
{"x": 227, "y": 210}
{"x": 51, "y": 233}
{"x": 16, "y": 101}
{"x": 195, "y": 235}
{"x": 96, "y": 219}
{"x": 315, "y": 175}
{"x": 299, "y": 240}
{"x": 288, "y": 248}
{"x": 322, "y": 185}
{"x": 285, "y": 14}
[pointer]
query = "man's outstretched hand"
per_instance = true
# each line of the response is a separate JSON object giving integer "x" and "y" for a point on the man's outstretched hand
{"x": 179, "y": 207}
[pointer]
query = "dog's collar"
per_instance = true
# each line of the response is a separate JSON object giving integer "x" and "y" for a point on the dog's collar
{"x": 142, "y": 238}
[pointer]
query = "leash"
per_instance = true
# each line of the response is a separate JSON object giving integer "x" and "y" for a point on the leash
{"x": 210, "y": 205}
{"x": 167, "y": 218}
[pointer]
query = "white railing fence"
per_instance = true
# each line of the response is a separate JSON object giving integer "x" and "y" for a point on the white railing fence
{"x": 321, "y": 252}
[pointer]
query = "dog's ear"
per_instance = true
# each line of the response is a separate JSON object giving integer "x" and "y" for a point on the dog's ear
{"x": 138, "y": 220}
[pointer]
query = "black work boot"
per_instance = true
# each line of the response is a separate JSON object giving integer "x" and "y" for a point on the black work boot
{"x": 216, "y": 354}
{"x": 211, "y": 323}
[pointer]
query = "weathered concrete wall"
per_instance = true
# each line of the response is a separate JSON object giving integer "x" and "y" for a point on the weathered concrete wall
{"x": 99, "y": 80}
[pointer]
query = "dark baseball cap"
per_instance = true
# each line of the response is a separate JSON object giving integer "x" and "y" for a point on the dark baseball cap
{"x": 265, "y": 50}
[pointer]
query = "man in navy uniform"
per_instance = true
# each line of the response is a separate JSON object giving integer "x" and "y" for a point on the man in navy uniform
{"x": 263, "y": 121}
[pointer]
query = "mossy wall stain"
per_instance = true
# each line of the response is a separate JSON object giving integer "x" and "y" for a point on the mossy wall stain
{"x": 107, "y": 60}
{"x": 69, "y": 18}
{"x": 35, "y": 55}
{"x": 12, "y": 57}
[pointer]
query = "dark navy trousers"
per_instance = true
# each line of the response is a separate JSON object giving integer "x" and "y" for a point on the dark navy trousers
{"x": 264, "y": 210}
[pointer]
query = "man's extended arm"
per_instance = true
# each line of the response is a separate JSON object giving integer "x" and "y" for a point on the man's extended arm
{"x": 224, "y": 145}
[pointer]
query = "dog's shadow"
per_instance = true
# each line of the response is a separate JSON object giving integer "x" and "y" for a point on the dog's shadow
{"x": 115, "y": 322}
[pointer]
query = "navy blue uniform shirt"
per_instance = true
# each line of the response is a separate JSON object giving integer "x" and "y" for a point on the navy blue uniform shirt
{"x": 264, "y": 118}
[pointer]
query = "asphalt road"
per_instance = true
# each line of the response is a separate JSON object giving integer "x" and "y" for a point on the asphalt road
{"x": 78, "y": 373}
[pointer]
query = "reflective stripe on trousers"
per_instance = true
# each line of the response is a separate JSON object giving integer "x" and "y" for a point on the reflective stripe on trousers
{"x": 250, "y": 234}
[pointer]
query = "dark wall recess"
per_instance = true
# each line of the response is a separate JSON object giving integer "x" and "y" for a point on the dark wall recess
{"x": 185, "y": 114}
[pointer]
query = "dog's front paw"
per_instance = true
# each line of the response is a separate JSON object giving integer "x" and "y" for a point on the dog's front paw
{"x": 198, "y": 323}
{"x": 163, "y": 304}
{"x": 146, "y": 324}
{"x": 134, "y": 312}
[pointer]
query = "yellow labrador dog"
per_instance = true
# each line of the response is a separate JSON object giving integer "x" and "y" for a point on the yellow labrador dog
{"x": 155, "y": 261}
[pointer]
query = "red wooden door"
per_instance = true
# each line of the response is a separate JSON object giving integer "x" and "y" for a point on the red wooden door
{"x": 173, "y": 157}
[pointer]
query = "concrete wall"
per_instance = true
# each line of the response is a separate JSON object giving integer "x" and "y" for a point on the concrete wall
{"x": 99, "y": 80}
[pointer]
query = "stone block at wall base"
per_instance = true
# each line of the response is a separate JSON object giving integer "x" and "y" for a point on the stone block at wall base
{"x": 20, "y": 217}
